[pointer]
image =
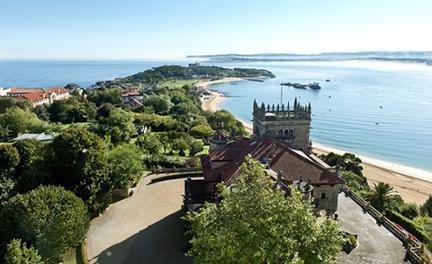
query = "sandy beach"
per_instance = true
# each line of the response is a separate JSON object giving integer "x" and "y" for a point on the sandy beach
{"x": 413, "y": 185}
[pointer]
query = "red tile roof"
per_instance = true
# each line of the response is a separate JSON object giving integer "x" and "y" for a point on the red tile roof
{"x": 224, "y": 164}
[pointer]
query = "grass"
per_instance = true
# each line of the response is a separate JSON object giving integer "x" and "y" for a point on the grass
{"x": 178, "y": 83}
{"x": 75, "y": 255}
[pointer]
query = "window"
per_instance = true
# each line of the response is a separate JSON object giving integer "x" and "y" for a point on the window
{"x": 323, "y": 195}
{"x": 291, "y": 133}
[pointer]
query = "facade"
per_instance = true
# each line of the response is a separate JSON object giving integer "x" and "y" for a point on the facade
{"x": 38, "y": 96}
{"x": 288, "y": 125}
{"x": 286, "y": 166}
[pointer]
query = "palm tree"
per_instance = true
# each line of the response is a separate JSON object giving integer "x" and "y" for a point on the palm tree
{"x": 381, "y": 195}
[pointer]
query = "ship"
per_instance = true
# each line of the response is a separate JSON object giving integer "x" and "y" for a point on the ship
{"x": 299, "y": 86}
{"x": 314, "y": 86}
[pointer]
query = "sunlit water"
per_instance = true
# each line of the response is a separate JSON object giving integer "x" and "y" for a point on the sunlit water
{"x": 347, "y": 111}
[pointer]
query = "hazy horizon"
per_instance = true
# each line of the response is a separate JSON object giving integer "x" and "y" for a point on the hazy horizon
{"x": 146, "y": 30}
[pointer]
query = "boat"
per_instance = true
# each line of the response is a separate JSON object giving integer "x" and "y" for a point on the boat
{"x": 314, "y": 86}
{"x": 328, "y": 80}
{"x": 286, "y": 84}
{"x": 254, "y": 79}
{"x": 299, "y": 86}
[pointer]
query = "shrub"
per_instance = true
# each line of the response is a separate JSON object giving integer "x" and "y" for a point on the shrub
{"x": 409, "y": 225}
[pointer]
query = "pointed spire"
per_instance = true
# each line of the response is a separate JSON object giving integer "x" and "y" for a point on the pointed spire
{"x": 309, "y": 107}
{"x": 262, "y": 107}
{"x": 273, "y": 108}
{"x": 295, "y": 103}
{"x": 268, "y": 108}
{"x": 255, "y": 106}
{"x": 277, "y": 108}
{"x": 288, "y": 108}
{"x": 283, "y": 108}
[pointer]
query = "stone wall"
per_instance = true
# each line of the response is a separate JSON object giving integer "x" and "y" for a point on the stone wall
{"x": 295, "y": 133}
{"x": 326, "y": 198}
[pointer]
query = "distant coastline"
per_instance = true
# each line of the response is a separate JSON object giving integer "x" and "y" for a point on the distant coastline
{"x": 414, "y": 185}
{"x": 418, "y": 57}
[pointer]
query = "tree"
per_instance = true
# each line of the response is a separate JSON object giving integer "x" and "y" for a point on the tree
{"x": 9, "y": 160}
{"x": 78, "y": 162}
{"x": 196, "y": 146}
{"x": 158, "y": 103}
{"x": 224, "y": 121}
{"x": 149, "y": 144}
{"x": 9, "y": 102}
{"x": 49, "y": 218}
{"x": 18, "y": 253}
{"x": 256, "y": 223}
{"x": 410, "y": 210}
{"x": 31, "y": 170}
{"x": 17, "y": 121}
{"x": 111, "y": 96}
{"x": 347, "y": 161}
{"x": 126, "y": 165}
{"x": 42, "y": 112}
{"x": 202, "y": 131}
{"x": 426, "y": 208}
{"x": 381, "y": 196}
{"x": 71, "y": 111}
{"x": 118, "y": 126}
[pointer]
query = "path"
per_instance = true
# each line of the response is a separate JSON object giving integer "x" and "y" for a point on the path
{"x": 376, "y": 244}
{"x": 144, "y": 228}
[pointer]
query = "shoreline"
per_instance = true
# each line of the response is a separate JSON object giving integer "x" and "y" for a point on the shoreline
{"x": 412, "y": 184}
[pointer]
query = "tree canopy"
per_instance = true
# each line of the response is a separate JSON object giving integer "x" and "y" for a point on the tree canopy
{"x": 15, "y": 121}
{"x": 126, "y": 165}
{"x": 18, "y": 253}
{"x": 79, "y": 163}
{"x": 255, "y": 223}
{"x": 224, "y": 121}
{"x": 49, "y": 218}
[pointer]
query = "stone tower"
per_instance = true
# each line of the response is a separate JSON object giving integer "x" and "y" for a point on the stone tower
{"x": 289, "y": 125}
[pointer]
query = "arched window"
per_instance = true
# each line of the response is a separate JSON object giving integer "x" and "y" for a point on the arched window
{"x": 323, "y": 195}
{"x": 291, "y": 133}
{"x": 280, "y": 133}
{"x": 286, "y": 133}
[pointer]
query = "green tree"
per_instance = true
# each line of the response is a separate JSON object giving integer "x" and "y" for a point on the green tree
{"x": 118, "y": 126}
{"x": 17, "y": 120}
{"x": 78, "y": 161}
{"x": 202, "y": 131}
{"x": 49, "y": 218}
{"x": 126, "y": 165}
{"x": 196, "y": 146}
{"x": 42, "y": 113}
{"x": 111, "y": 96}
{"x": 9, "y": 160}
{"x": 9, "y": 102}
{"x": 255, "y": 223}
{"x": 158, "y": 103}
{"x": 410, "y": 210}
{"x": 31, "y": 170}
{"x": 18, "y": 253}
{"x": 149, "y": 143}
{"x": 381, "y": 196}
{"x": 347, "y": 161}
{"x": 426, "y": 208}
{"x": 224, "y": 121}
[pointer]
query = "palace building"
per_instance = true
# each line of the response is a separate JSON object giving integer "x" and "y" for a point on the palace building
{"x": 281, "y": 143}
{"x": 288, "y": 125}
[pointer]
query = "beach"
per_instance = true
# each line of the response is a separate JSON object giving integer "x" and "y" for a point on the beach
{"x": 413, "y": 185}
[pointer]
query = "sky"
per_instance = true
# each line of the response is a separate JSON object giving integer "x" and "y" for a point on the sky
{"x": 149, "y": 29}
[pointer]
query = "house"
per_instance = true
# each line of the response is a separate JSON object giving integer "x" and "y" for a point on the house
{"x": 132, "y": 97}
{"x": 288, "y": 167}
{"x": 38, "y": 96}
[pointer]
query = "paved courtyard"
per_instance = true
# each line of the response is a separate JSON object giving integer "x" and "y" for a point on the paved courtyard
{"x": 144, "y": 228}
{"x": 376, "y": 244}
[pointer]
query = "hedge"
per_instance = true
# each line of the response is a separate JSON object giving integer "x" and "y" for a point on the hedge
{"x": 409, "y": 225}
{"x": 175, "y": 176}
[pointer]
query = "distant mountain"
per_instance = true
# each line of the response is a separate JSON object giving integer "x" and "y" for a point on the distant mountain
{"x": 424, "y": 57}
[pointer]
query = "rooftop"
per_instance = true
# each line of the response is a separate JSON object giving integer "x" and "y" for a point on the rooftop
{"x": 224, "y": 164}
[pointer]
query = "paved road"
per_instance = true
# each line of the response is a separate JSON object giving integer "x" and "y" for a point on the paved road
{"x": 144, "y": 228}
{"x": 376, "y": 244}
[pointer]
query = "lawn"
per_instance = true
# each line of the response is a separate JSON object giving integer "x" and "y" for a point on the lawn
{"x": 178, "y": 83}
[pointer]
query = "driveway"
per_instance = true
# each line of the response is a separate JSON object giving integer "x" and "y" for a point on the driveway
{"x": 376, "y": 244}
{"x": 144, "y": 228}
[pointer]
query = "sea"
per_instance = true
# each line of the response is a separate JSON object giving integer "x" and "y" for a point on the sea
{"x": 381, "y": 110}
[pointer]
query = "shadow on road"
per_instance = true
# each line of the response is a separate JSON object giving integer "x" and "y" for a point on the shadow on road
{"x": 161, "y": 242}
